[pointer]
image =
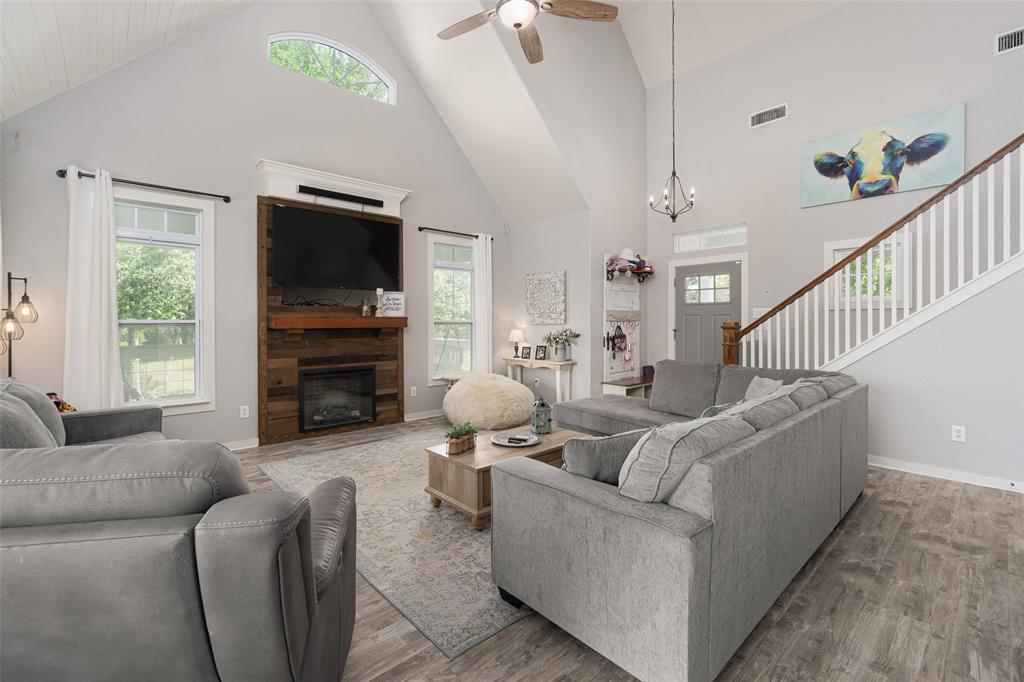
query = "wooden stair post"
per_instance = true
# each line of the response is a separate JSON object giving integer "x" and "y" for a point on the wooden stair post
{"x": 730, "y": 349}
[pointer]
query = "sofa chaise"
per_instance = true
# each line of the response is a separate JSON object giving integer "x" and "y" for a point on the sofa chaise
{"x": 127, "y": 556}
{"x": 669, "y": 590}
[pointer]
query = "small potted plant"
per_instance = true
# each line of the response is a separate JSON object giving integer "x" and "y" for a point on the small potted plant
{"x": 461, "y": 437}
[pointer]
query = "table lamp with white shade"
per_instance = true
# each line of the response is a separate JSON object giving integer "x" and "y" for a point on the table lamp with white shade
{"x": 516, "y": 337}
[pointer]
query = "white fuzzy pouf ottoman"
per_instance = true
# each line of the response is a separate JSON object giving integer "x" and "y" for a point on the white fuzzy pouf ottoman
{"x": 488, "y": 401}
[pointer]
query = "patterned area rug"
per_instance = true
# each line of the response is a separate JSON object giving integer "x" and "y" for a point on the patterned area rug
{"x": 428, "y": 562}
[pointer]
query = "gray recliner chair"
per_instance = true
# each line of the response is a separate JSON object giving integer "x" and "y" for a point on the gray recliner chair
{"x": 133, "y": 557}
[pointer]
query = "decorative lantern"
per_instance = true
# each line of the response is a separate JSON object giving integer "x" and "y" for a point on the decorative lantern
{"x": 541, "y": 416}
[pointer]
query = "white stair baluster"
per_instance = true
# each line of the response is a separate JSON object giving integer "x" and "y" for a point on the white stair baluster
{"x": 858, "y": 311}
{"x": 932, "y": 212}
{"x": 848, "y": 295}
{"x": 1020, "y": 196}
{"x": 892, "y": 267}
{"x": 961, "y": 246}
{"x": 975, "y": 227}
{"x": 785, "y": 323}
{"x": 796, "y": 333}
{"x": 807, "y": 331}
{"x": 882, "y": 249}
{"x": 760, "y": 345}
{"x": 919, "y": 274}
{"x": 817, "y": 349}
{"x": 945, "y": 245}
{"x": 871, "y": 291}
{"x": 906, "y": 270}
{"x": 990, "y": 212}
{"x": 1006, "y": 207}
{"x": 778, "y": 341}
{"x": 836, "y": 283}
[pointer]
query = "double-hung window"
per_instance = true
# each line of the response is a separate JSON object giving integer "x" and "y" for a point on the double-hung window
{"x": 881, "y": 271}
{"x": 165, "y": 299}
{"x": 451, "y": 304}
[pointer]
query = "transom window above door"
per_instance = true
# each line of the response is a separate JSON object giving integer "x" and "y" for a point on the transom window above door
{"x": 708, "y": 288}
{"x": 331, "y": 62}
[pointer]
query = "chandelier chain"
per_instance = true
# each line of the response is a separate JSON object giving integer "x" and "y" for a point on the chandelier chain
{"x": 673, "y": 87}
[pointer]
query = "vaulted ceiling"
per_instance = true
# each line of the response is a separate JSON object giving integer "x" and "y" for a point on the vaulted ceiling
{"x": 706, "y": 30}
{"x": 49, "y": 46}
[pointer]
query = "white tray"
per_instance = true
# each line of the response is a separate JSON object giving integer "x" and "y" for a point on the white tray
{"x": 502, "y": 440}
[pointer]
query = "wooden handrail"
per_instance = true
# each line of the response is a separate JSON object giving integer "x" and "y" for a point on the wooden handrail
{"x": 874, "y": 241}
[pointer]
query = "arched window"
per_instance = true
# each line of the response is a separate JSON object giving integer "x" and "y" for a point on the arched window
{"x": 331, "y": 62}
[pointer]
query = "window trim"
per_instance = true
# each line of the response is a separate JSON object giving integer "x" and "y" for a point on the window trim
{"x": 830, "y": 248}
{"x": 358, "y": 55}
{"x": 451, "y": 240}
{"x": 205, "y": 401}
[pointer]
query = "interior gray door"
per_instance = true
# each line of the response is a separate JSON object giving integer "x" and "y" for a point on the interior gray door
{"x": 706, "y": 296}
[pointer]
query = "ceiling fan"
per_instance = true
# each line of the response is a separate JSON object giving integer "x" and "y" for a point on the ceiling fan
{"x": 519, "y": 15}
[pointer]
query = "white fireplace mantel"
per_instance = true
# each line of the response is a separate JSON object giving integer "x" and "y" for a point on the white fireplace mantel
{"x": 283, "y": 180}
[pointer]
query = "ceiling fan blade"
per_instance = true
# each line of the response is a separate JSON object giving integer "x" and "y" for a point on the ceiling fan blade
{"x": 530, "y": 40}
{"x": 581, "y": 9}
{"x": 466, "y": 25}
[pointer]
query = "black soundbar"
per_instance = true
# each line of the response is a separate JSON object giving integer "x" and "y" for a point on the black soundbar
{"x": 340, "y": 196}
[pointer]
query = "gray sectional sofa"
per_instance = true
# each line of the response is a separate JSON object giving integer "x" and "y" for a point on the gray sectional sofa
{"x": 669, "y": 590}
{"x": 127, "y": 556}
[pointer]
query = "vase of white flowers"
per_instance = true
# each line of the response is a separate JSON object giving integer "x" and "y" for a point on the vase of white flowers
{"x": 561, "y": 343}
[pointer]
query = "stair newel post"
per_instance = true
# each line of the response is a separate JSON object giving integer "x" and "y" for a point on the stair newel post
{"x": 730, "y": 347}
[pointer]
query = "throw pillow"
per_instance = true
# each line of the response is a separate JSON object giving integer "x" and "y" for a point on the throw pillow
{"x": 21, "y": 427}
{"x": 684, "y": 388}
{"x": 600, "y": 458}
{"x": 764, "y": 412}
{"x": 660, "y": 459}
{"x": 760, "y": 387}
{"x": 804, "y": 395}
{"x": 40, "y": 404}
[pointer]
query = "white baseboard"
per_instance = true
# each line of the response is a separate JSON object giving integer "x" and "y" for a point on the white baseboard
{"x": 948, "y": 474}
{"x": 246, "y": 444}
{"x": 414, "y": 416}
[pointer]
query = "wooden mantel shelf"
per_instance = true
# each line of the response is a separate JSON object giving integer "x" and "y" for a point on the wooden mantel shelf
{"x": 333, "y": 321}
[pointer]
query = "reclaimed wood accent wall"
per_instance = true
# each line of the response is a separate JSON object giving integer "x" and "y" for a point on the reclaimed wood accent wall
{"x": 284, "y": 353}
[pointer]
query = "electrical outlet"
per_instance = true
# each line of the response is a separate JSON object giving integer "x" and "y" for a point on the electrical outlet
{"x": 412, "y": 391}
{"x": 959, "y": 434}
{"x": 243, "y": 411}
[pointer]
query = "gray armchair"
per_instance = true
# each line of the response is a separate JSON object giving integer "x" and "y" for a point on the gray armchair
{"x": 153, "y": 560}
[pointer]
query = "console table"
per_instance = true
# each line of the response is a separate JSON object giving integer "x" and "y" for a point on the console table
{"x": 562, "y": 370}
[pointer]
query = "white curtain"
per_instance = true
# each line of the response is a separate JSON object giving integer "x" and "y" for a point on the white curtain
{"x": 91, "y": 371}
{"x": 483, "y": 350}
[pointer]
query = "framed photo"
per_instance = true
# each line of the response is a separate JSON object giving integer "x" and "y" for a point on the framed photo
{"x": 524, "y": 352}
{"x": 541, "y": 353}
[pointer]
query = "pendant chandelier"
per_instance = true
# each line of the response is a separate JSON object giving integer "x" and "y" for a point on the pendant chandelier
{"x": 674, "y": 201}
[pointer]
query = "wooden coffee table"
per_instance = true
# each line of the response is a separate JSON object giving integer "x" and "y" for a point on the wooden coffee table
{"x": 464, "y": 481}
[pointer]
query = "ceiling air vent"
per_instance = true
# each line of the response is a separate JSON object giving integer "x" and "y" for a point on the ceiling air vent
{"x": 1012, "y": 40}
{"x": 776, "y": 113}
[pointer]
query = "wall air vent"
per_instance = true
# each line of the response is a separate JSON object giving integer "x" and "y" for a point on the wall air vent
{"x": 776, "y": 113}
{"x": 1011, "y": 40}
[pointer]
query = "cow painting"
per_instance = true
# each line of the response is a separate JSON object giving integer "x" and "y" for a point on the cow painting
{"x": 873, "y": 165}
{"x": 924, "y": 150}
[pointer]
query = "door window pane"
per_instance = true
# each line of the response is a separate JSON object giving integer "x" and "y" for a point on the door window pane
{"x": 693, "y": 296}
{"x": 722, "y": 281}
{"x": 721, "y": 295}
{"x": 707, "y": 282}
{"x": 707, "y": 295}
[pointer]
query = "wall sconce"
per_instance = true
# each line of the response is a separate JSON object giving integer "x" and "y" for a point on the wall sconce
{"x": 14, "y": 316}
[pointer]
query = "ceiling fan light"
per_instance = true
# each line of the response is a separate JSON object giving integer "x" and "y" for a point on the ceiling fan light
{"x": 517, "y": 14}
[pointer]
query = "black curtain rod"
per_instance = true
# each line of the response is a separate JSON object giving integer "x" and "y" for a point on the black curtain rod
{"x": 62, "y": 173}
{"x": 421, "y": 228}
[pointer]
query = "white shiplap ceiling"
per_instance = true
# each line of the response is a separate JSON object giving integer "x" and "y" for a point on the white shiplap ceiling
{"x": 706, "y": 30}
{"x": 49, "y": 46}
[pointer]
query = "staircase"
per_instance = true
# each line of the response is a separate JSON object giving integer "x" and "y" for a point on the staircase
{"x": 959, "y": 242}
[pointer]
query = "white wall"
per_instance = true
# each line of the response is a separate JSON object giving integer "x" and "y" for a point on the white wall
{"x": 838, "y": 71}
{"x": 965, "y": 367}
{"x": 199, "y": 113}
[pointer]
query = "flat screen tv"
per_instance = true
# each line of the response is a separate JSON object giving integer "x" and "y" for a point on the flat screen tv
{"x": 333, "y": 251}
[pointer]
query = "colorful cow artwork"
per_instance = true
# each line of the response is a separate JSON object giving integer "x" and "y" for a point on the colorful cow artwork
{"x": 881, "y": 161}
